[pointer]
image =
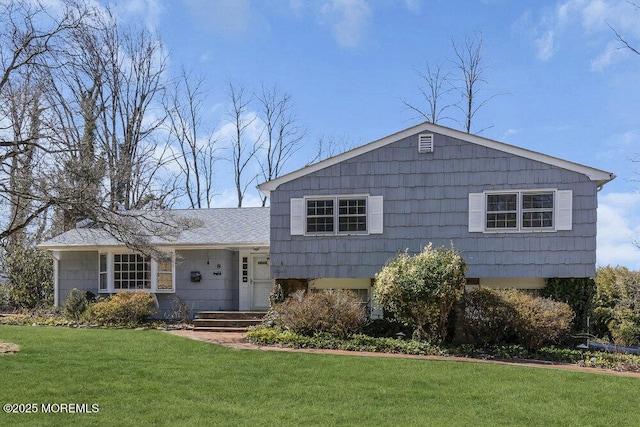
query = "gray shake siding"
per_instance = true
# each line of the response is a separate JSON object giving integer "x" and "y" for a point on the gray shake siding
{"x": 218, "y": 289}
{"x": 77, "y": 270}
{"x": 215, "y": 291}
{"x": 426, "y": 199}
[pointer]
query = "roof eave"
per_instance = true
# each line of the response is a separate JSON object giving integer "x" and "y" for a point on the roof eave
{"x": 599, "y": 176}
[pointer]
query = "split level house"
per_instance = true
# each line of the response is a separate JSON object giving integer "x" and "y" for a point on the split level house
{"x": 517, "y": 216}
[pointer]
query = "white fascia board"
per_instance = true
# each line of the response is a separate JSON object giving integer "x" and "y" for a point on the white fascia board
{"x": 55, "y": 250}
{"x": 597, "y": 175}
{"x": 267, "y": 187}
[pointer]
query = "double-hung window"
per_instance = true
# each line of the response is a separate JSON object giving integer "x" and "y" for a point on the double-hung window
{"x": 537, "y": 210}
{"x": 336, "y": 215}
{"x": 320, "y": 216}
{"x": 349, "y": 217}
{"x": 134, "y": 272}
{"x": 352, "y": 215}
{"x": 502, "y": 211}
{"x": 520, "y": 211}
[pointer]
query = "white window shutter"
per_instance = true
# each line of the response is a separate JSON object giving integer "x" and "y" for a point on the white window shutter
{"x": 476, "y": 212}
{"x": 564, "y": 210}
{"x": 297, "y": 217}
{"x": 376, "y": 215}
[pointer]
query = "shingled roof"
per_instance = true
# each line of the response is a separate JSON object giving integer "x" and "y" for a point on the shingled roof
{"x": 220, "y": 227}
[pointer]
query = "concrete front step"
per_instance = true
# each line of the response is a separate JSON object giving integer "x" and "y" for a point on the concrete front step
{"x": 243, "y": 315}
{"x": 227, "y": 321}
{"x": 219, "y": 329}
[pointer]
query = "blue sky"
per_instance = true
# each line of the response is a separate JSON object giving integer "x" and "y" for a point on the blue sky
{"x": 566, "y": 88}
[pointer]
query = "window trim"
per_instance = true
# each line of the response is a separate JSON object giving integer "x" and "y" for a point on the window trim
{"x": 336, "y": 215}
{"x": 562, "y": 211}
{"x": 519, "y": 211}
{"x": 109, "y": 274}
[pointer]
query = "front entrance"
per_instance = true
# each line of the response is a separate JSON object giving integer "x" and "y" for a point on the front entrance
{"x": 261, "y": 283}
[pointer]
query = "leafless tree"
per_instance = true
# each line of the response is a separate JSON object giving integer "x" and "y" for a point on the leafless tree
{"x": 244, "y": 148}
{"x": 22, "y": 106}
{"x": 31, "y": 36}
{"x": 76, "y": 94}
{"x": 624, "y": 41}
{"x": 195, "y": 144}
{"x": 329, "y": 146}
{"x": 283, "y": 136}
{"x": 134, "y": 63}
{"x": 435, "y": 87}
{"x": 439, "y": 86}
{"x": 470, "y": 65}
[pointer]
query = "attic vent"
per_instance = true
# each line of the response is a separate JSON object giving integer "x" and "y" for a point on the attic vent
{"x": 425, "y": 143}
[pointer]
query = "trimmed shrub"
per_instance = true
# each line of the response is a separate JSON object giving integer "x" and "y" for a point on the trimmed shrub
{"x": 123, "y": 308}
{"x": 421, "y": 290}
{"x": 487, "y": 317}
{"x": 511, "y": 316}
{"x": 337, "y": 312}
{"x": 77, "y": 303}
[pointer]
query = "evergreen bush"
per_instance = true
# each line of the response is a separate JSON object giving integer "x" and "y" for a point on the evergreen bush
{"x": 421, "y": 290}
{"x": 30, "y": 277}
{"x": 76, "y": 304}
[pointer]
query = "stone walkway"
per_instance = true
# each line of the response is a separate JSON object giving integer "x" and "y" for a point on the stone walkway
{"x": 237, "y": 340}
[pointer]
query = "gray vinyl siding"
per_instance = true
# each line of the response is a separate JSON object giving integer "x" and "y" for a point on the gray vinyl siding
{"x": 426, "y": 200}
{"x": 214, "y": 292}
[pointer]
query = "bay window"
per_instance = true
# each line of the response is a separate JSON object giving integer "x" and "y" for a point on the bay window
{"x": 133, "y": 272}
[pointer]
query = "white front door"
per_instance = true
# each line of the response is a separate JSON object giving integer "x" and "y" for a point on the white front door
{"x": 261, "y": 282}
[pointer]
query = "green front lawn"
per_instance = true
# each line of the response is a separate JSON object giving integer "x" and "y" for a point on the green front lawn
{"x": 153, "y": 378}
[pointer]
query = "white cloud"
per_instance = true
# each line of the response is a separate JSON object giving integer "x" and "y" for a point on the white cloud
{"x": 509, "y": 132}
{"x": 349, "y": 20}
{"x": 254, "y": 130}
{"x": 147, "y": 11}
{"x": 595, "y": 19}
{"x": 228, "y": 198}
{"x": 618, "y": 229}
{"x": 413, "y": 6}
{"x": 228, "y": 17}
{"x": 540, "y": 36}
{"x": 545, "y": 46}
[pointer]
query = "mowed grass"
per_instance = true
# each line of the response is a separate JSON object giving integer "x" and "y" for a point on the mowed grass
{"x": 153, "y": 378}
